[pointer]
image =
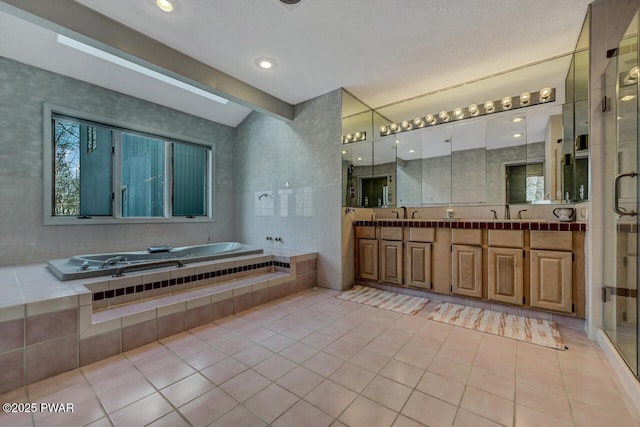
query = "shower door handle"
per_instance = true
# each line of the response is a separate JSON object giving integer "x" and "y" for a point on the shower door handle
{"x": 616, "y": 195}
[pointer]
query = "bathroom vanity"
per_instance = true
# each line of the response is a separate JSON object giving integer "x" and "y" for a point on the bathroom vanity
{"x": 530, "y": 264}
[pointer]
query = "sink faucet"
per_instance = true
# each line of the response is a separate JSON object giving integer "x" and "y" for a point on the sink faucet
{"x": 494, "y": 214}
{"x": 507, "y": 213}
{"x": 520, "y": 213}
{"x": 413, "y": 214}
{"x": 397, "y": 214}
{"x": 404, "y": 212}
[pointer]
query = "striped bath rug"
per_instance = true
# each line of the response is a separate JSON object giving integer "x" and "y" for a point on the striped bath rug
{"x": 405, "y": 304}
{"x": 535, "y": 331}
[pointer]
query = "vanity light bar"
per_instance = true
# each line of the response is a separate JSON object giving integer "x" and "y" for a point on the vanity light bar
{"x": 354, "y": 137}
{"x": 525, "y": 99}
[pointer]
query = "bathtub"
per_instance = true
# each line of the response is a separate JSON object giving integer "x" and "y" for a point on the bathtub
{"x": 93, "y": 265}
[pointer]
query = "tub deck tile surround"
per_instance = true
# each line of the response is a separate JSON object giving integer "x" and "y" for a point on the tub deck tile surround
{"x": 478, "y": 224}
{"x": 48, "y": 326}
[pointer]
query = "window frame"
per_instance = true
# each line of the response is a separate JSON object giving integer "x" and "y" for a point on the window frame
{"x": 118, "y": 126}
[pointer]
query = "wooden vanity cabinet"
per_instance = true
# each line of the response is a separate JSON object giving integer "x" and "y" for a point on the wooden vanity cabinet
{"x": 466, "y": 262}
{"x": 418, "y": 257}
{"x": 367, "y": 253}
{"x": 551, "y": 275}
{"x": 506, "y": 266}
{"x": 391, "y": 258}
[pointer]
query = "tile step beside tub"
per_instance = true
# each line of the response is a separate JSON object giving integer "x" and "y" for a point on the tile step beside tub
{"x": 48, "y": 326}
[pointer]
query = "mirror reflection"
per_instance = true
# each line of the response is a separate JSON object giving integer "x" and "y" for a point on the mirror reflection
{"x": 535, "y": 154}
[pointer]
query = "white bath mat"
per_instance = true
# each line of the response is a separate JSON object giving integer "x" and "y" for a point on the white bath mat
{"x": 535, "y": 331}
{"x": 405, "y": 304}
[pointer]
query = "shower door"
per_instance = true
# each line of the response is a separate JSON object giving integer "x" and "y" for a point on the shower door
{"x": 620, "y": 306}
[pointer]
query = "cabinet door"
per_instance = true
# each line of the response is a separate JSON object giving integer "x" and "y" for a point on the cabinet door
{"x": 466, "y": 270}
{"x": 551, "y": 280}
{"x": 506, "y": 281}
{"x": 368, "y": 259}
{"x": 391, "y": 265}
{"x": 419, "y": 265}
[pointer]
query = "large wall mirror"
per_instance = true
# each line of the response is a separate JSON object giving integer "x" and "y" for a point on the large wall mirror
{"x": 538, "y": 153}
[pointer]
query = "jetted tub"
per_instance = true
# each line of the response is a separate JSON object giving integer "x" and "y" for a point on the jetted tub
{"x": 92, "y": 265}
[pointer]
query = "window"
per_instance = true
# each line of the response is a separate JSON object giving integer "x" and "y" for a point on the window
{"x": 104, "y": 173}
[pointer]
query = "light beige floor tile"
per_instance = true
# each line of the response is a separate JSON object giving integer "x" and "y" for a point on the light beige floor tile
{"x": 185, "y": 344}
{"x": 528, "y": 417}
{"x": 170, "y": 374}
{"x": 488, "y": 405}
{"x": 590, "y": 416}
{"x": 384, "y": 347}
{"x": 205, "y": 358}
{"x": 142, "y": 412}
{"x": 352, "y": 377}
{"x": 423, "y": 343}
{"x": 504, "y": 366}
{"x": 555, "y": 405}
{"x": 300, "y": 381}
{"x": 342, "y": 349}
{"x": 369, "y": 360}
{"x": 323, "y": 364}
{"x": 274, "y": 367}
{"x": 469, "y": 419}
{"x": 415, "y": 357}
{"x": 239, "y": 417}
{"x": 244, "y": 385}
{"x": 253, "y": 355}
{"x": 277, "y": 342}
{"x": 402, "y": 373}
{"x": 303, "y": 414}
{"x": 441, "y": 387}
{"x": 271, "y": 402}
{"x": 458, "y": 352}
{"x": 223, "y": 370}
{"x": 403, "y": 421}
{"x": 187, "y": 389}
{"x": 448, "y": 368}
{"x": 389, "y": 393}
{"x": 234, "y": 345}
{"x": 429, "y": 410}
{"x": 331, "y": 398}
{"x": 207, "y": 408}
{"x": 297, "y": 332}
{"x": 318, "y": 340}
{"x": 435, "y": 330}
{"x": 124, "y": 395}
{"x": 172, "y": 419}
{"x": 298, "y": 352}
{"x": 495, "y": 384}
{"x": 367, "y": 413}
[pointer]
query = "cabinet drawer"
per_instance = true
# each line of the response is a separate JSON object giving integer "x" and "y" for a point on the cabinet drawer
{"x": 421, "y": 234}
{"x": 391, "y": 233}
{"x": 506, "y": 238}
{"x": 466, "y": 237}
{"x": 551, "y": 240}
{"x": 366, "y": 232}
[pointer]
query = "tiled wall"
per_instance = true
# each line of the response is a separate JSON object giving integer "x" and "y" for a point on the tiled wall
{"x": 295, "y": 167}
{"x": 42, "y": 339}
{"x": 23, "y": 89}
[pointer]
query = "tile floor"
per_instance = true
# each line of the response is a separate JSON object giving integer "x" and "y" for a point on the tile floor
{"x": 314, "y": 360}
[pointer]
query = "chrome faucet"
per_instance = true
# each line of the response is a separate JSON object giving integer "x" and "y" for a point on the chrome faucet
{"x": 520, "y": 213}
{"x": 494, "y": 214}
{"x": 113, "y": 260}
{"x": 507, "y": 212}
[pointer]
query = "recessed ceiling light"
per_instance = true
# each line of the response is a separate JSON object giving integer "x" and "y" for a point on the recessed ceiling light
{"x": 627, "y": 98}
{"x": 517, "y": 135}
{"x": 517, "y": 120}
{"x": 344, "y": 151}
{"x": 412, "y": 151}
{"x": 358, "y": 158}
{"x": 265, "y": 63}
{"x": 164, "y": 5}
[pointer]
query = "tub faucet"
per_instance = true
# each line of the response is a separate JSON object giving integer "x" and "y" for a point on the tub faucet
{"x": 113, "y": 260}
{"x": 507, "y": 212}
{"x": 520, "y": 213}
{"x": 494, "y": 214}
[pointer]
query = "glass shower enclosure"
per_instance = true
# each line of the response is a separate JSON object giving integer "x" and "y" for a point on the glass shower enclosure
{"x": 620, "y": 106}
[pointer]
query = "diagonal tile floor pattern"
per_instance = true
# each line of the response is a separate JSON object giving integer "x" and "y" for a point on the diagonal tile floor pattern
{"x": 314, "y": 360}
